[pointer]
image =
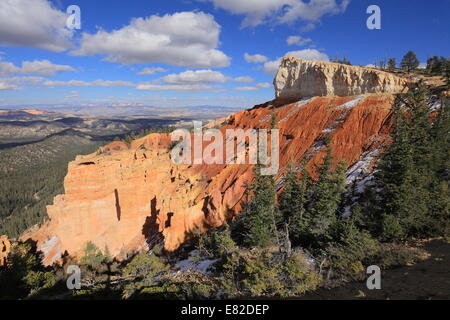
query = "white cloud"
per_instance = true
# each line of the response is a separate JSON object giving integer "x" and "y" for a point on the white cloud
{"x": 95, "y": 83}
{"x": 308, "y": 27}
{"x": 33, "y": 24}
{"x": 39, "y": 67}
{"x": 190, "y": 80}
{"x": 256, "y": 58}
{"x": 313, "y": 10}
{"x": 187, "y": 39}
{"x": 257, "y": 12}
{"x": 5, "y": 85}
{"x": 271, "y": 67}
{"x": 254, "y": 88}
{"x": 198, "y": 76}
{"x": 244, "y": 79}
{"x": 422, "y": 65}
{"x": 151, "y": 71}
{"x": 246, "y": 88}
{"x": 297, "y": 40}
{"x": 194, "y": 87}
{"x": 16, "y": 83}
{"x": 264, "y": 85}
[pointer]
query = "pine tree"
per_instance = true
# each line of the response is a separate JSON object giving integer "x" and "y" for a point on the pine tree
{"x": 411, "y": 193}
{"x": 293, "y": 199}
{"x": 409, "y": 61}
{"x": 261, "y": 212}
{"x": 325, "y": 198}
{"x": 392, "y": 64}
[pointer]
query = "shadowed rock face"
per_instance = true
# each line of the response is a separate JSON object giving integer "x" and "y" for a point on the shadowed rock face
{"x": 298, "y": 78}
{"x": 124, "y": 197}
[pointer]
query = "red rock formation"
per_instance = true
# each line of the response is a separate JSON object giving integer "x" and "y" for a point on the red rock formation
{"x": 5, "y": 248}
{"x": 125, "y": 196}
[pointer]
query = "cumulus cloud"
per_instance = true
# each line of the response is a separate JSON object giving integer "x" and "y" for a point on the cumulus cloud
{"x": 254, "y": 88}
{"x": 192, "y": 80}
{"x": 39, "y": 67}
{"x": 271, "y": 67}
{"x": 256, "y": 58}
{"x": 187, "y": 39}
{"x": 193, "y": 87}
{"x": 264, "y": 85}
{"x": 33, "y": 24}
{"x": 257, "y": 12}
{"x": 16, "y": 83}
{"x": 151, "y": 71}
{"x": 95, "y": 83}
{"x": 198, "y": 76}
{"x": 244, "y": 79}
{"x": 297, "y": 40}
{"x": 5, "y": 85}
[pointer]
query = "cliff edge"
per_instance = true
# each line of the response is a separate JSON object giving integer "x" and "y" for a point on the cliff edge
{"x": 298, "y": 78}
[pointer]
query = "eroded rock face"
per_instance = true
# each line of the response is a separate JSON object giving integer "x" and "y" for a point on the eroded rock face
{"x": 124, "y": 197}
{"x": 298, "y": 78}
{"x": 5, "y": 248}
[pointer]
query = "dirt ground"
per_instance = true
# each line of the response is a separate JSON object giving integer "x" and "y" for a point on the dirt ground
{"x": 426, "y": 280}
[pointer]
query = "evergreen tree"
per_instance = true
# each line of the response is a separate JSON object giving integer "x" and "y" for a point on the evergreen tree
{"x": 325, "y": 198}
{"x": 292, "y": 202}
{"x": 261, "y": 212}
{"x": 392, "y": 64}
{"x": 407, "y": 177}
{"x": 409, "y": 61}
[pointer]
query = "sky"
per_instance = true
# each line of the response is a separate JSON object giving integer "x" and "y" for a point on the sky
{"x": 195, "y": 52}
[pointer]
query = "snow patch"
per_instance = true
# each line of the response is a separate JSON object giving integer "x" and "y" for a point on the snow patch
{"x": 351, "y": 103}
{"x": 196, "y": 265}
{"x": 296, "y": 108}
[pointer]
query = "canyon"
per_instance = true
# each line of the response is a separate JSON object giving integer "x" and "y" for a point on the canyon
{"x": 129, "y": 197}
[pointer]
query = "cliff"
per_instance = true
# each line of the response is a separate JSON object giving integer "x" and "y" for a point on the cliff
{"x": 127, "y": 197}
{"x": 5, "y": 248}
{"x": 298, "y": 78}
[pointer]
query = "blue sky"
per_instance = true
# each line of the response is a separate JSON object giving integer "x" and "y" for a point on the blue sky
{"x": 195, "y": 52}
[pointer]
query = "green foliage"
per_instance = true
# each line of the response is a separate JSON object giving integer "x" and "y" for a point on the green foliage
{"x": 409, "y": 61}
{"x": 350, "y": 250}
{"x": 392, "y": 64}
{"x": 24, "y": 275}
{"x": 93, "y": 257}
{"x": 413, "y": 173}
{"x": 146, "y": 269}
{"x": 437, "y": 66}
{"x": 259, "y": 273}
{"x": 260, "y": 213}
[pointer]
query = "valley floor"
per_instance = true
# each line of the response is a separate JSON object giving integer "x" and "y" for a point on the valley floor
{"x": 426, "y": 280}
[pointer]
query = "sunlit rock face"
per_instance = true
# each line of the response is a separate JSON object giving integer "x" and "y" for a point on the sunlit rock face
{"x": 125, "y": 197}
{"x": 5, "y": 248}
{"x": 298, "y": 78}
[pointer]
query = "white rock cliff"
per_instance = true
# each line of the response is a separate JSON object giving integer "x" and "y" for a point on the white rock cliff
{"x": 298, "y": 78}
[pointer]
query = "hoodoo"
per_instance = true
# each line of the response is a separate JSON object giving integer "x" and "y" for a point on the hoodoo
{"x": 298, "y": 78}
{"x": 126, "y": 197}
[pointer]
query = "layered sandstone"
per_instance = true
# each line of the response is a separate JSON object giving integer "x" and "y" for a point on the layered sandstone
{"x": 298, "y": 78}
{"x": 5, "y": 248}
{"x": 128, "y": 197}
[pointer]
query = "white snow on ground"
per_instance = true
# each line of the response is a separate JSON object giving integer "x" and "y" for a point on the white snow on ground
{"x": 435, "y": 106}
{"x": 361, "y": 168}
{"x": 266, "y": 118}
{"x": 360, "y": 176}
{"x": 351, "y": 103}
{"x": 295, "y": 109}
{"x": 200, "y": 266}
